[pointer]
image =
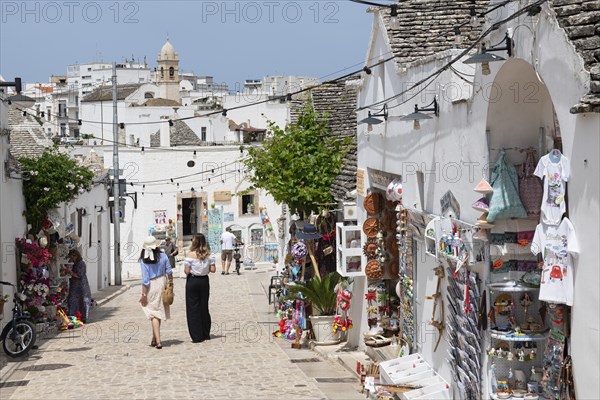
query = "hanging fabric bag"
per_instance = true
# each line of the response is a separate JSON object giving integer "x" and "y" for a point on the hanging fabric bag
{"x": 531, "y": 188}
{"x": 505, "y": 202}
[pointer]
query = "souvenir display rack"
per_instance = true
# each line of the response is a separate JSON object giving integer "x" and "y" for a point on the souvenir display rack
{"x": 406, "y": 278}
{"x": 464, "y": 355}
{"x": 522, "y": 343}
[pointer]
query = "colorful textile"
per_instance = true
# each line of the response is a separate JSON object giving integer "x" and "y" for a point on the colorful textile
{"x": 530, "y": 186}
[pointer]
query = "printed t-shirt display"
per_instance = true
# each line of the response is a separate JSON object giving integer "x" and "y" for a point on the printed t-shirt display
{"x": 554, "y": 171}
{"x": 557, "y": 244}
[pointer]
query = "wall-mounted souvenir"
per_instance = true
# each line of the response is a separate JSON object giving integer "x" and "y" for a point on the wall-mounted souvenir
{"x": 371, "y": 227}
{"x": 373, "y": 203}
{"x": 394, "y": 190}
{"x": 373, "y": 270}
{"x": 370, "y": 249}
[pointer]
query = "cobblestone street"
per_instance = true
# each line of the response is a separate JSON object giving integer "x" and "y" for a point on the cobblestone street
{"x": 111, "y": 358}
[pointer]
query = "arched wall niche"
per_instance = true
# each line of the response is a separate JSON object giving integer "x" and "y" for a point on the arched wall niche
{"x": 520, "y": 112}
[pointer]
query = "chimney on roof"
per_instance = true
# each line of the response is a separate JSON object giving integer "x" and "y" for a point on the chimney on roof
{"x": 165, "y": 134}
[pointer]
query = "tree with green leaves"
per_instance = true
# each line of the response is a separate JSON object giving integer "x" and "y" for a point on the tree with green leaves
{"x": 297, "y": 165}
{"x": 49, "y": 180}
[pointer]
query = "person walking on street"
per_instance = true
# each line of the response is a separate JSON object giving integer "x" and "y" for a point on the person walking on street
{"x": 171, "y": 251}
{"x": 80, "y": 295}
{"x": 228, "y": 242}
{"x": 155, "y": 269}
{"x": 197, "y": 265}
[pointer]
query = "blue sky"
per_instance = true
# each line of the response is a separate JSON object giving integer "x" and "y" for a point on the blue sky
{"x": 229, "y": 40}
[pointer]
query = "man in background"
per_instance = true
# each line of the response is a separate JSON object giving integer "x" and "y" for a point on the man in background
{"x": 228, "y": 242}
{"x": 171, "y": 251}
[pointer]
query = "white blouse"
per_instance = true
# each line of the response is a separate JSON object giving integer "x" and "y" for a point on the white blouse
{"x": 199, "y": 267}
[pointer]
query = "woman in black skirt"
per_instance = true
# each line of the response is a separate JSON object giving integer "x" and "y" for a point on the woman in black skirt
{"x": 198, "y": 264}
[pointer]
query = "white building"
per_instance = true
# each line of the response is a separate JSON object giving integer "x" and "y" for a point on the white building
{"x": 86, "y": 77}
{"x": 12, "y": 205}
{"x": 201, "y": 91}
{"x": 544, "y": 95}
{"x": 271, "y": 91}
{"x": 183, "y": 188}
{"x": 58, "y": 100}
{"x": 87, "y": 212}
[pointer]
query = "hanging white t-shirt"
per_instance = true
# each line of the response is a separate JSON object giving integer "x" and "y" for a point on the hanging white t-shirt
{"x": 554, "y": 175}
{"x": 558, "y": 245}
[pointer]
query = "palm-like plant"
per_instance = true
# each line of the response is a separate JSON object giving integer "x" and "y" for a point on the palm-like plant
{"x": 319, "y": 293}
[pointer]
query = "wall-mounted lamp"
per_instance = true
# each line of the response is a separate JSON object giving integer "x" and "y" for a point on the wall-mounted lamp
{"x": 373, "y": 120}
{"x": 484, "y": 58}
{"x": 417, "y": 115}
{"x": 99, "y": 208}
{"x": 393, "y": 11}
{"x": 474, "y": 19}
{"x": 457, "y": 37}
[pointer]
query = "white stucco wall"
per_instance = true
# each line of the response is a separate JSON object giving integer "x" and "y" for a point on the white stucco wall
{"x": 94, "y": 245}
{"x": 514, "y": 103}
{"x": 12, "y": 221}
{"x": 142, "y": 122}
{"x": 256, "y": 115}
{"x": 165, "y": 164}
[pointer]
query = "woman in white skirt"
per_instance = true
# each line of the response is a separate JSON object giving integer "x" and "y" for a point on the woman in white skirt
{"x": 155, "y": 270}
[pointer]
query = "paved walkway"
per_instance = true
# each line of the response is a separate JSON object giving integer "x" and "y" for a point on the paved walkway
{"x": 111, "y": 358}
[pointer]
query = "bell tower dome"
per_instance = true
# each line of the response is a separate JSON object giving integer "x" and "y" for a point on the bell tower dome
{"x": 167, "y": 73}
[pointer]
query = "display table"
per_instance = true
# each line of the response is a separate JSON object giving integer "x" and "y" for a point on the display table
{"x": 415, "y": 371}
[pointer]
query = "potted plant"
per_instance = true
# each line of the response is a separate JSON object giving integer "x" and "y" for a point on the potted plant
{"x": 321, "y": 296}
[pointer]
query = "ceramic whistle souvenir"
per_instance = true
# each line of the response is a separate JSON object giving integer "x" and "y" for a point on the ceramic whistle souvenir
{"x": 481, "y": 205}
{"x": 483, "y": 187}
{"x": 483, "y": 223}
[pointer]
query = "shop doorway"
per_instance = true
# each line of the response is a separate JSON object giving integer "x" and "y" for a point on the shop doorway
{"x": 191, "y": 212}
